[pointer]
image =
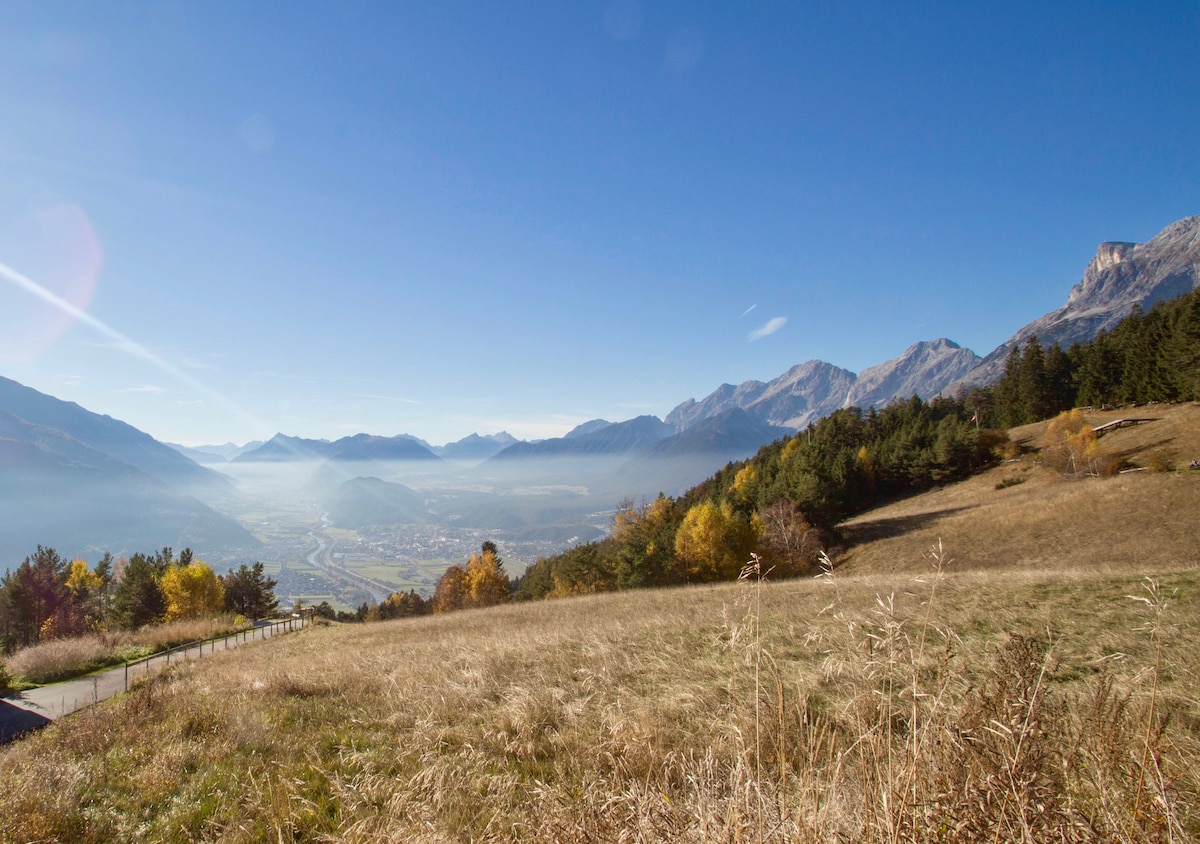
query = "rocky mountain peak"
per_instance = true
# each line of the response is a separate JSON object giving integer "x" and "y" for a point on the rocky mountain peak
{"x": 1120, "y": 276}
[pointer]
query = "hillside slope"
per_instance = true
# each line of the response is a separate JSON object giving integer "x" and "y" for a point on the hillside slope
{"x": 1044, "y": 522}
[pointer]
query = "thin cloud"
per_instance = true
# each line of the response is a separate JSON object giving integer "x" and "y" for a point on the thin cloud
{"x": 193, "y": 363}
{"x": 768, "y": 329}
{"x": 384, "y": 398}
{"x": 143, "y": 388}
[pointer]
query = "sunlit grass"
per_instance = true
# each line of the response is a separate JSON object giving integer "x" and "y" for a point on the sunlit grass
{"x": 970, "y": 706}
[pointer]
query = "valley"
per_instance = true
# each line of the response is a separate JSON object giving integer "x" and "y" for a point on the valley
{"x": 313, "y": 559}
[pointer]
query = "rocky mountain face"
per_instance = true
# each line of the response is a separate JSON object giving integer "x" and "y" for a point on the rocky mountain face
{"x": 923, "y": 370}
{"x": 807, "y": 392}
{"x": 803, "y": 394}
{"x": 1120, "y": 276}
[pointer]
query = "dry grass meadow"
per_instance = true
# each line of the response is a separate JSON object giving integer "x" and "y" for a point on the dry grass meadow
{"x": 1035, "y": 680}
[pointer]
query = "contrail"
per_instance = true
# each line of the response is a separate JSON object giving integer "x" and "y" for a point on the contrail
{"x": 748, "y": 310}
{"x": 125, "y": 343}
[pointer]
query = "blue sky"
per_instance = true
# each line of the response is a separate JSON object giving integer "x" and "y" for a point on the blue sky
{"x": 220, "y": 220}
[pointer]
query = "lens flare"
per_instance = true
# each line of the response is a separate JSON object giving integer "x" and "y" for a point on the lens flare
{"x": 74, "y": 313}
{"x": 57, "y": 245}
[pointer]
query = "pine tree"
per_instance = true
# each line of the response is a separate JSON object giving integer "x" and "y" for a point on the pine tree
{"x": 250, "y": 593}
{"x": 138, "y": 599}
{"x": 1033, "y": 386}
{"x": 1060, "y": 382}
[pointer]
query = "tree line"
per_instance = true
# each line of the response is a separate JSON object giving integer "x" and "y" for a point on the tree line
{"x": 784, "y": 503}
{"x": 1147, "y": 357}
{"x": 48, "y": 597}
{"x": 482, "y": 582}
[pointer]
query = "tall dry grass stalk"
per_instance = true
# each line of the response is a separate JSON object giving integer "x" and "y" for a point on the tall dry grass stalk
{"x": 947, "y": 707}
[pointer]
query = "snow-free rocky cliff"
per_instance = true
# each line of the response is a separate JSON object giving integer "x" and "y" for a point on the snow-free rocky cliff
{"x": 814, "y": 389}
{"x": 1120, "y": 276}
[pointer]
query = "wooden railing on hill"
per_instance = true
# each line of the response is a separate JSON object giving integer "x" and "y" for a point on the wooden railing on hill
{"x": 1101, "y": 430}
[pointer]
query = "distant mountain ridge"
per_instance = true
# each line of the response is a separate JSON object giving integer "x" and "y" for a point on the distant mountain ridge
{"x": 604, "y": 440}
{"x": 1120, "y": 276}
{"x": 811, "y": 390}
{"x": 364, "y": 447}
{"x": 475, "y": 447}
{"x": 112, "y": 437}
{"x": 76, "y": 480}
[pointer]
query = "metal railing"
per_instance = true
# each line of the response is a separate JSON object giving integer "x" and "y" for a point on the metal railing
{"x": 260, "y": 630}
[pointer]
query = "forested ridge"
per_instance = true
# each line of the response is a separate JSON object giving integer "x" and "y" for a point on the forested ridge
{"x": 1151, "y": 356}
{"x": 785, "y": 502}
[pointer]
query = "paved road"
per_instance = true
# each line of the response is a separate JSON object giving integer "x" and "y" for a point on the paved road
{"x": 35, "y": 708}
{"x": 323, "y": 559}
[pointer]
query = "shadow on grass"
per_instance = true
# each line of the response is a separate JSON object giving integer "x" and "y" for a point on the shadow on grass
{"x": 1141, "y": 450}
{"x": 876, "y": 529}
{"x": 14, "y": 720}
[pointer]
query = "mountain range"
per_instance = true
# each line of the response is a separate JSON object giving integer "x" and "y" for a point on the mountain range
{"x": 85, "y": 480}
{"x": 1119, "y": 277}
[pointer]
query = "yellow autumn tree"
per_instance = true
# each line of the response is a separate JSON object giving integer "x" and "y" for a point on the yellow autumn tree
{"x": 487, "y": 584}
{"x": 452, "y": 592}
{"x": 1071, "y": 446}
{"x": 192, "y": 591}
{"x": 745, "y": 486}
{"x": 713, "y": 543}
{"x": 84, "y": 585}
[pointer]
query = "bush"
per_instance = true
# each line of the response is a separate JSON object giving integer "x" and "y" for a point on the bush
{"x": 59, "y": 659}
{"x": 62, "y": 659}
{"x": 1159, "y": 461}
{"x": 5, "y": 680}
{"x": 1072, "y": 448}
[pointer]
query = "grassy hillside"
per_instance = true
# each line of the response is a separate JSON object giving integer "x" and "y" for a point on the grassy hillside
{"x": 1043, "y": 522}
{"x": 1037, "y": 681}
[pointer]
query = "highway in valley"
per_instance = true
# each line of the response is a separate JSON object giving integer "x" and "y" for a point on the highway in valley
{"x": 322, "y": 558}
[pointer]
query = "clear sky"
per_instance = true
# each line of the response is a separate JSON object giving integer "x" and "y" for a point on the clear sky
{"x": 219, "y": 220}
